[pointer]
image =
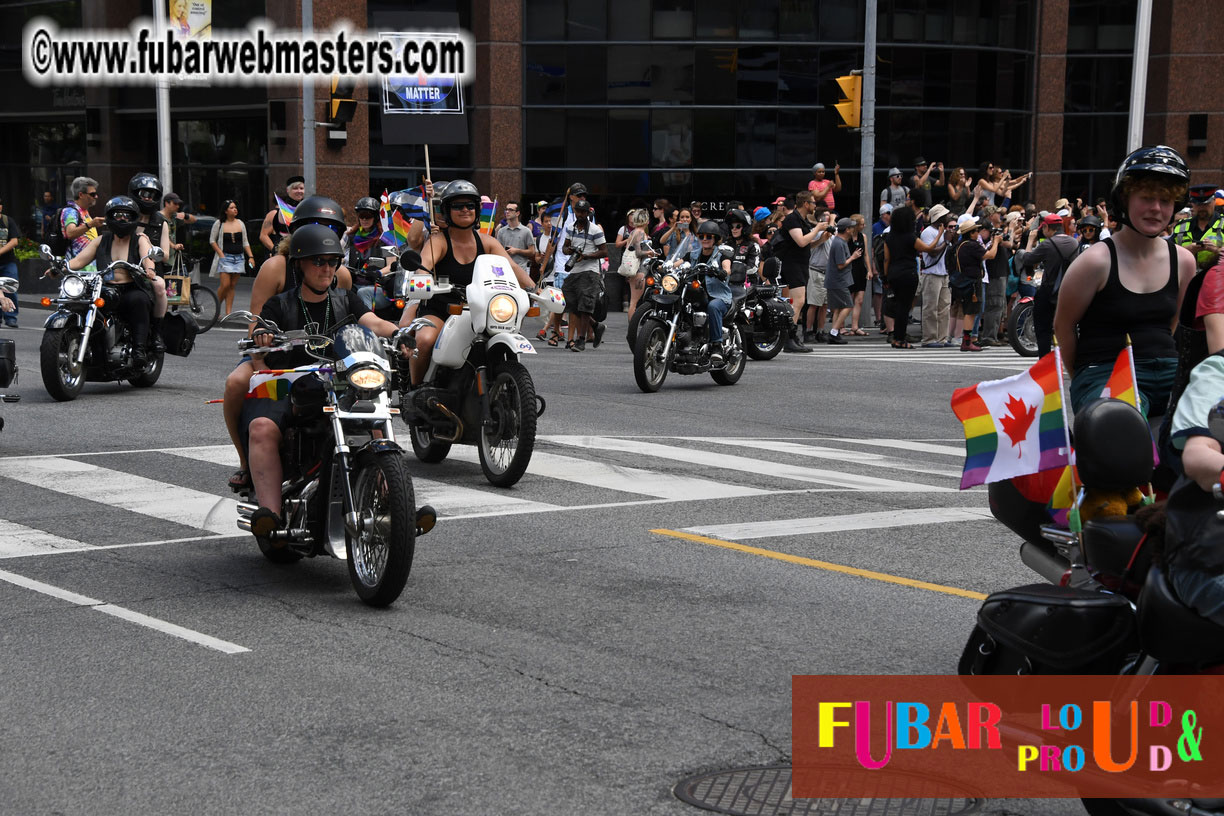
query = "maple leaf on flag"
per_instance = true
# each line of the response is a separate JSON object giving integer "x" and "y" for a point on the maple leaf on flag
{"x": 1019, "y": 418}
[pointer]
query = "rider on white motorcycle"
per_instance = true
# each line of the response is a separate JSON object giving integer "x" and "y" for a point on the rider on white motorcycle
{"x": 451, "y": 253}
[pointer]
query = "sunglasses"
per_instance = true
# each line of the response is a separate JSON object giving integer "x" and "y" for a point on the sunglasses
{"x": 464, "y": 205}
{"x": 711, "y": 237}
{"x": 121, "y": 215}
{"x": 92, "y": 193}
{"x": 324, "y": 263}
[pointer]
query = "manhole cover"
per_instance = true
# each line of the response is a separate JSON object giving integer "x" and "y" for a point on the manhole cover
{"x": 767, "y": 792}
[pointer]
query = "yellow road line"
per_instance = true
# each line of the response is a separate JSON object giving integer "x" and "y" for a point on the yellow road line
{"x": 824, "y": 565}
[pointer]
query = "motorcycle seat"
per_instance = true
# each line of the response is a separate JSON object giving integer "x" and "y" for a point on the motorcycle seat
{"x": 1110, "y": 542}
{"x": 738, "y": 294}
{"x": 1171, "y": 631}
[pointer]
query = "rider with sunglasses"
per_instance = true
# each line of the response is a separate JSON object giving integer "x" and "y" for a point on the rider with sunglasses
{"x": 710, "y": 251}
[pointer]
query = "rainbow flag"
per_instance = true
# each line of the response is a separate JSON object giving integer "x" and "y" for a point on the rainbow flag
{"x": 487, "y": 210}
{"x": 285, "y": 210}
{"x": 399, "y": 229}
{"x": 273, "y": 386}
{"x": 1063, "y": 497}
{"x": 363, "y": 243}
{"x": 1121, "y": 384}
{"x": 1013, "y": 426}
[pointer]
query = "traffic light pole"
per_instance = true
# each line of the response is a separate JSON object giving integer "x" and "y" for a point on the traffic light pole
{"x": 162, "y": 99}
{"x": 867, "y": 118}
{"x": 308, "y": 108}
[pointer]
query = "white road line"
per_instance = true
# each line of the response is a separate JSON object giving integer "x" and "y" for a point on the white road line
{"x": 903, "y": 444}
{"x": 746, "y": 464}
{"x": 216, "y": 454}
{"x": 123, "y": 613}
{"x": 127, "y": 491}
{"x": 452, "y": 500}
{"x": 624, "y": 479}
{"x": 836, "y": 454}
{"x": 742, "y": 531}
{"x": 17, "y": 540}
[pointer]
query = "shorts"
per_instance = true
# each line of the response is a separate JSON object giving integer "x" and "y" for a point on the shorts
{"x": 581, "y": 291}
{"x": 794, "y": 277}
{"x": 815, "y": 288}
{"x": 840, "y": 299}
{"x": 859, "y": 284}
{"x": 968, "y": 298}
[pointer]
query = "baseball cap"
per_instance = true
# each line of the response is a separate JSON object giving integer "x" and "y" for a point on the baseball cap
{"x": 937, "y": 212}
{"x": 894, "y": 171}
{"x": 582, "y": 205}
{"x": 779, "y": 200}
{"x": 885, "y": 209}
{"x": 845, "y": 224}
{"x": 295, "y": 180}
{"x": 818, "y": 166}
{"x": 761, "y": 213}
{"x": 541, "y": 203}
{"x": 1052, "y": 220}
{"x": 1013, "y": 216}
{"x": 171, "y": 198}
{"x": 577, "y": 188}
{"x": 1062, "y": 204}
{"x": 1064, "y": 213}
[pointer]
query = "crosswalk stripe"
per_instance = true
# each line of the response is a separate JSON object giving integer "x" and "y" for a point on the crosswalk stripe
{"x": 17, "y": 540}
{"x": 742, "y": 463}
{"x": 905, "y": 444}
{"x": 742, "y": 531}
{"x": 625, "y": 479}
{"x": 127, "y": 491}
{"x": 216, "y": 454}
{"x": 453, "y": 500}
{"x": 836, "y": 454}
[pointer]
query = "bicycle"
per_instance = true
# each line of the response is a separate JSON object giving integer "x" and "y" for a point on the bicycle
{"x": 200, "y": 300}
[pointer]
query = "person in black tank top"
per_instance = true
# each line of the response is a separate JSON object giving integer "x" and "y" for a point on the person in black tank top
{"x": 1129, "y": 285}
{"x": 452, "y": 253}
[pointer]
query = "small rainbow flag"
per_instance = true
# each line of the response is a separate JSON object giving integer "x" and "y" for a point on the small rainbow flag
{"x": 1121, "y": 384}
{"x": 399, "y": 229}
{"x": 286, "y": 211}
{"x": 273, "y": 386}
{"x": 487, "y": 211}
{"x": 1013, "y": 426}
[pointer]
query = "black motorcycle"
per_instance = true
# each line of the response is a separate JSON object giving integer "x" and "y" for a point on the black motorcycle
{"x": 654, "y": 269}
{"x": 8, "y": 353}
{"x": 766, "y": 317}
{"x": 673, "y": 336}
{"x": 84, "y": 339}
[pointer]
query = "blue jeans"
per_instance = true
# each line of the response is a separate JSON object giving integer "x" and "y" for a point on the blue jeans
{"x": 8, "y": 269}
{"x": 715, "y": 313}
{"x": 1201, "y": 592}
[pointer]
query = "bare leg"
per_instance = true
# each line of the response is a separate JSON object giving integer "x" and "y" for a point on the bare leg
{"x": 236, "y": 386}
{"x": 159, "y": 298}
{"x": 858, "y": 311}
{"x": 266, "y": 471}
{"x": 425, "y": 338}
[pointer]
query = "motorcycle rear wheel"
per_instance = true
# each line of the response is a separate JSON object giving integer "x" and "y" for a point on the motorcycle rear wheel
{"x": 735, "y": 358}
{"x": 426, "y": 447}
{"x": 152, "y": 371}
{"x": 767, "y": 348}
{"x": 1020, "y": 332}
{"x": 649, "y": 369}
{"x": 380, "y": 558}
{"x": 505, "y": 449}
{"x": 62, "y": 376}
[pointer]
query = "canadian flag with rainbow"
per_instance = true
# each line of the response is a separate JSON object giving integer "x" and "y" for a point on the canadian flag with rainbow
{"x": 1014, "y": 426}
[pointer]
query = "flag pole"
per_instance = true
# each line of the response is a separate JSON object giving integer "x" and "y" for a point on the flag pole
{"x": 1073, "y": 515}
{"x": 1150, "y": 496}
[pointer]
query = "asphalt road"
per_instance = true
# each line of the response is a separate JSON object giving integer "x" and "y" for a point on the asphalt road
{"x": 576, "y": 644}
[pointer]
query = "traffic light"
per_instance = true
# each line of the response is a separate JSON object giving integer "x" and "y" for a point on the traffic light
{"x": 343, "y": 106}
{"x": 850, "y": 108}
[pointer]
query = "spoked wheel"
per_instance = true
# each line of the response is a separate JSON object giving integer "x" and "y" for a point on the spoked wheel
{"x": 766, "y": 345}
{"x": 380, "y": 555}
{"x": 1020, "y": 331}
{"x": 506, "y": 446}
{"x": 649, "y": 367}
{"x": 62, "y": 375}
{"x": 152, "y": 371}
{"x": 205, "y": 307}
{"x": 735, "y": 359}
{"x": 426, "y": 446}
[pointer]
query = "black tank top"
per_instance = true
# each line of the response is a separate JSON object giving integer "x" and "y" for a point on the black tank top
{"x": 103, "y": 257}
{"x": 1116, "y": 311}
{"x": 460, "y": 274}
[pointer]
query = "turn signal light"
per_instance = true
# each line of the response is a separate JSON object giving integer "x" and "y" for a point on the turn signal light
{"x": 650, "y": 281}
{"x": 99, "y": 303}
{"x": 695, "y": 284}
{"x": 399, "y": 304}
{"x": 534, "y": 311}
{"x": 456, "y": 308}
{"x": 45, "y": 301}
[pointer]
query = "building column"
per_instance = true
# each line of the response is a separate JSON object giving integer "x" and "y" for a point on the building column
{"x": 1051, "y": 100}
{"x": 497, "y": 96}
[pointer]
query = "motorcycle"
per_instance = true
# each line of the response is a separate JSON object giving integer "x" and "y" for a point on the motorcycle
{"x": 8, "y": 353}
{"x": 767, "y": 317}
{"x": 673, "y": 337}
{"x": 85, "y": 340}
{"x": 475, "y": 391}
{"x": 1020, "y": 333}
{"x": 352, "y": 502}
{"x": 1121, "y": 616}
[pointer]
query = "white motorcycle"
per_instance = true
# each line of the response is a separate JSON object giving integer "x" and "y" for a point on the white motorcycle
{"x": 475, "y": 391}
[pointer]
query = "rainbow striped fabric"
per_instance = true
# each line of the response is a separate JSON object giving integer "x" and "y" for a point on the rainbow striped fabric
{"x": 274, "y": 386}
{"x": 1121, "y": 384}
{"x": 487, "y": 211}
{"x": 1013, "y": 426}
{"x": 286, "y": 211}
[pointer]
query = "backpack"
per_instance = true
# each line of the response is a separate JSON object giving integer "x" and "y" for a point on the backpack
{"x": 877, "y": 252}
{"x": 55, "y": 235}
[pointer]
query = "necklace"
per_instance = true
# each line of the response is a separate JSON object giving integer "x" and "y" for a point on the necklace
{"x": 312, "y": 326}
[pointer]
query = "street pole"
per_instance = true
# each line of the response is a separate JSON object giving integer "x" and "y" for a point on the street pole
{"x": 867, "y": 117}
{"x": 308, "y": 108}
{"x": 1143, "y": 36}
{"x": 162, "y": 96}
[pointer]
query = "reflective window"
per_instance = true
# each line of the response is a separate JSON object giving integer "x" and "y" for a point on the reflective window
{"x": 629, "y": 20}
{"x": 673, "y": 19}
{"x": 544, "y": 20}
{"x": 587, "y": 20}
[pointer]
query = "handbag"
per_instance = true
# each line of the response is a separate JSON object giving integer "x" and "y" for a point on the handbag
{"x": 630, "y": 263}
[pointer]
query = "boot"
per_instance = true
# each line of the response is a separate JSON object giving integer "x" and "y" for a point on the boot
{"x": 793, "y": 344}
{"x": 716, "y": 356}
{"x": 967, "y": 343}
{"x": 155, "y": 341}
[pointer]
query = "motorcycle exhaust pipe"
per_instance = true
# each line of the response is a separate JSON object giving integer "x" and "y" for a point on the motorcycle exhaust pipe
{"x": 1048, "y": 566}
{"x": 246, "y": 509}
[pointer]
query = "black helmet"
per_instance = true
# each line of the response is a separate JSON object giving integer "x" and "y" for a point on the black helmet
{"x": 459, "y": 188}
{"x": 1091, "y": 221}
{"x": 1159, "y": 161}
{"x": 121, "y": 215}
{"x": 313, "y": 240}
{"x": 146, "y": 190}
{"x": 738, "y": 217}
{"x": 317, "y": 209}
{"x": 711, "y": 228}
{"x": 367, "y": 203}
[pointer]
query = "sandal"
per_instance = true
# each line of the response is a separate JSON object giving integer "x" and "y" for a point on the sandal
{"x": 569, "y": 344}
{"x": 857, "y": 332}
{"x": 241, "y": 480}
{"x": 901, "y": 345}
{"x": 542, "y": 333}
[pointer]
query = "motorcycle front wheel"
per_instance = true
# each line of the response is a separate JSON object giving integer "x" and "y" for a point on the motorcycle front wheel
{"x": 506, "y": 445}
{"x": 1020, "y": 331}
{"x": 62, "y": 375}
{"x": 734, "y": 357}
{"x": 635, "y": 322}
{"x": 649, "y": 367}
{"x": 380, "y": 555}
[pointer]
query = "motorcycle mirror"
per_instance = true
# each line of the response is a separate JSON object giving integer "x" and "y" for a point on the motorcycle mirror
{"x": 44, "y": 252}
{"x": 156, "y": 254}
{"x": 9, "y": 285}
{"x": 1215, "y": 422}
{"x": 376, "y": 263}
{"x": 239, "y": 316}
{"x": 410, "y": 260}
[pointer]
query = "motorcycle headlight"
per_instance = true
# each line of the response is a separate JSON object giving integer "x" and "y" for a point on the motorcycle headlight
{"x": 503, "y": 308}
{"x": 73, "y": 286}
{"x": 367, "y": 378}
{"x": 670, "y": 283}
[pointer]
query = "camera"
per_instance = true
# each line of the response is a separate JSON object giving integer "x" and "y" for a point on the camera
{"x": 997, "y": 230}
{"x": 831, "y": 230}
{"x": 570, "y": 261}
